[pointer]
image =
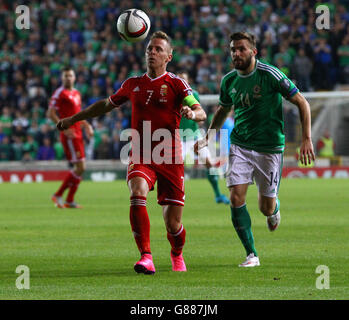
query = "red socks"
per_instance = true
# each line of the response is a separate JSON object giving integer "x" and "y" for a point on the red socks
{"x": 71, "y": 181}
{"x": 177, "y": 240}
{"x": 140, "y": 223}
{"x": 75, "y": 181}
{"x": 141, "y": 228}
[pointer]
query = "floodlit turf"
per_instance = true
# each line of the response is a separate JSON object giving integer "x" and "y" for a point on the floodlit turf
{"x": 89, "y": 253}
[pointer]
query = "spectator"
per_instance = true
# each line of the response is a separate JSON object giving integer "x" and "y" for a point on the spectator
{"x": 30, "y": 148}
{"x": 5, "y": 149}
{"x": 17, "y": 148}
{"x": 343, "y": 54}
{"x": 6, "y": 121}
{"x": 325, "y": 146}
{"x": 302, "y": 68}
{"x": 2, "y": 134}
{"x": 103, "y": 151}
{"x": 46, "y": 151}
{"x": 323, "y": 61}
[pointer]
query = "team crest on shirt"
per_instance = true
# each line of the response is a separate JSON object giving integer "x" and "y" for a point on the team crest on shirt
{"x": 130, "y": 167}
{"x": 163, "y": 93}
{"x": 256, "y": 91}
{"x": 163, "y": 90}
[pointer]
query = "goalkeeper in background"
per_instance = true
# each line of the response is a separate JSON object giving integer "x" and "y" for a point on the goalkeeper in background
{"x": 190, "y": 134}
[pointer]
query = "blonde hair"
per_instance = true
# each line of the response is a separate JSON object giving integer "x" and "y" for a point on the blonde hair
{"x": 164, "y": 36}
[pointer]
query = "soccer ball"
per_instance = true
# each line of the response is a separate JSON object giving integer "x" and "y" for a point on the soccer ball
{"x": 133, "y": 25}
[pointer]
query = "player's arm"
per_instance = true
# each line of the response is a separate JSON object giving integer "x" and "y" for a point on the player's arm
{"x": 217, "y": 122}
{"x": 192, "y": 109}
{"x": 52, "y": 114}
{"x": 88, "y": 128}
{"x": 306, "y": 150}
{"x": 96, "y": 109}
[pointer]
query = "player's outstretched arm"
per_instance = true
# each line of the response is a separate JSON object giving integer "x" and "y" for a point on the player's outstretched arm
{"x": 306, "y": 150}
{"x": 94, "y": 110}
{"x": 217, "y": 122}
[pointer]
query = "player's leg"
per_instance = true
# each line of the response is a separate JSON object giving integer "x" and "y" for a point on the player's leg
{"x": 270, "y": 207}
{"x": 171, "y": 198}
{"x": 77, "y": 151}
{"x": 140, "y": 181}
{"x": 239, "y": 176}
{"x": 213, "y": 178}
{"x": 212, "y": 174}
{"x": 57, "y": 197}
{"x": 242, "y": 223}
{"x": 175, "y": 234}
{"x": 77, "y": 173}
{"x": 268, "y": 177}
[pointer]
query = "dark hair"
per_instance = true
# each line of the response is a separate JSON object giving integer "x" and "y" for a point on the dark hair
{"x": 244, "y": 35}
{"x": 67, "y": 68}
{"x": 162, "y": 35}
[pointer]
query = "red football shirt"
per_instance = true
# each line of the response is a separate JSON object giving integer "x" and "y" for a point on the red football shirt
{"x": 67, "y": 103}
{"x": 156, "y": 104}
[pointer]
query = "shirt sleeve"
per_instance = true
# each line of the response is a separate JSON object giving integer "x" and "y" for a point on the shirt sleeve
{"x": 54, "y": 101}
{"x": 184, "y": 88}
{"x": 284, "y": 85}
{"x": 224, "y": 99}
{"x": 122, "y": 95}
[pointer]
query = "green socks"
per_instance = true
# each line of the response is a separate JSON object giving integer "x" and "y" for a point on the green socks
{"x": 213, "y": 179}
{"x": 277, "y": 207}
{"x": 242, "y": 224}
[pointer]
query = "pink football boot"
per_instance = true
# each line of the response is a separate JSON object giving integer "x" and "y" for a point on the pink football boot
{"x": 145, "y": 265}
{"x": 178, "y": 263}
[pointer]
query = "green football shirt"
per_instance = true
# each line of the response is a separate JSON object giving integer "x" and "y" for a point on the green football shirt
{"x": 190, "y": 127}
{"x": 257, "y": 102}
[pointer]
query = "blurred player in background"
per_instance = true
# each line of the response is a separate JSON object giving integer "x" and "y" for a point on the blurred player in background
{"x": 65, "y": 102}
{"x": 190, "y": 134}
{"x": 255, "y": 90}
{"x": 157, "y": 98}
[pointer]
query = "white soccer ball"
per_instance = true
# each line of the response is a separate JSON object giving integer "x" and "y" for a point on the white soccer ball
{"x": 133, "y": 25}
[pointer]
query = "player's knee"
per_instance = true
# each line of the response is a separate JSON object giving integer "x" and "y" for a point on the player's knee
{"x": 138, "y": 192}
{"x": 237, "y": 200}
{"x": 172, "y": 226}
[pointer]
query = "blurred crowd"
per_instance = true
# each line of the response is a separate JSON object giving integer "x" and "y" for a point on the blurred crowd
{"x": 82, "y": 33}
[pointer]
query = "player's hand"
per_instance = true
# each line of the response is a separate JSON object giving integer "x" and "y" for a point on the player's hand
{"x": 200, "y": 144}
{"x": 187, "y": 112}
{"x": 307, "y": 154}
{"x": 64, "y": 124}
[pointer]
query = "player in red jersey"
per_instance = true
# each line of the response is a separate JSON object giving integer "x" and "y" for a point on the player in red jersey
{"x": 65, "y": 102}
{"x": 157, "y": 99}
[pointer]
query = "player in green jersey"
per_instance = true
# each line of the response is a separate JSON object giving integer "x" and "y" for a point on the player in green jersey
{"x": 255, "y": 90}
{"x": 189, "y": 135}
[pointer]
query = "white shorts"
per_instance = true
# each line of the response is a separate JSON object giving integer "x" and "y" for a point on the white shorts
{"x": 245, "y": 166}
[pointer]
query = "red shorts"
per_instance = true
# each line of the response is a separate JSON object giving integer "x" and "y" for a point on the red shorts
{"x": 73, "y": 148}
{"x": 170, "y": 178}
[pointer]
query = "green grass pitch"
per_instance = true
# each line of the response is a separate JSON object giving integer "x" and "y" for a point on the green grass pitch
{"x": 89, "y": 253}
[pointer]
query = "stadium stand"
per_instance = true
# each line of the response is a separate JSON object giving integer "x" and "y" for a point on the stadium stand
{"x": 83, "y": 34}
